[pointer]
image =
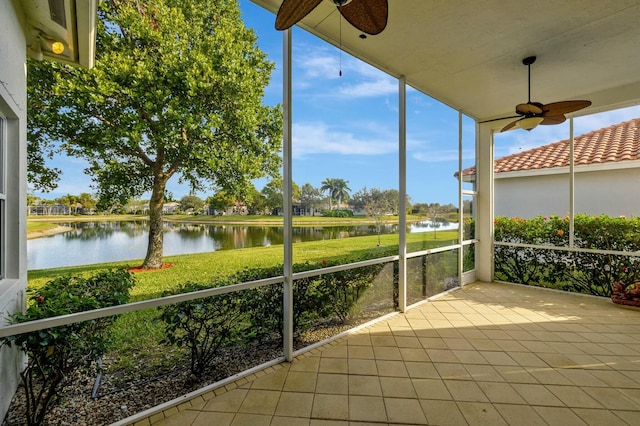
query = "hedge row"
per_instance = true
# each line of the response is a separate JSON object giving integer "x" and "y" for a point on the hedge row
{"x": 576, "y": 271}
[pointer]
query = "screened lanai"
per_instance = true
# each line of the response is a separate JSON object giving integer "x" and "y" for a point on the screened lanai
{"x": 467, "y": 55}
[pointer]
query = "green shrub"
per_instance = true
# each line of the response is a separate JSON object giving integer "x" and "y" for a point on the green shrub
{"x": 204, "y": 325}
{"x": 55, "y": 354}
{"x": 337, "y": 213}
{"x": 582, "y": 272}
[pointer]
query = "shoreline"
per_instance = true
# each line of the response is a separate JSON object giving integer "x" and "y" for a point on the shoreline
{"x": 48, "y": 232}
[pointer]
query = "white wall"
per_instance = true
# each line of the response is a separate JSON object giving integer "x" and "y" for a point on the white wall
{"x": 13, "y": 107}
{"x": 611, "y": 192}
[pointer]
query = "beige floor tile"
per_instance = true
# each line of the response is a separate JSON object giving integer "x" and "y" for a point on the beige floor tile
{"x": 422, "y": 370}
{"x": 271, "y": 381}
{"x": 309, "y": 364}
{"x": 558, "y": 360}
{"x": 363, "y": 367}
{"x": 334, "y": 365}
{"x": 367, "y": 409}
{"x": 335, "y": 351}
{"x": 527, "y": 359}
{"x": 559, "y": 416}
{"x": 478, "y": 413}
{"x": 391, "y": 368}
{"x": 485, "y": 373}
{"x": 330, "y": 407}
{"x": 359, "y": 339}
{"x": 469, "y": 356}
{"x": 387, "y": 353}
{"x": 318, "y": 422}
{"x": 581, "y": 377}
{"x": 452, "y": 371}
{"x": 465, "y": 391}
{"x": 397, "y": 387}
{"x": 404, "y": 411}
{"x": 484, "y": 345}
{"x": 332, "y": 383}
{"x": 182, "y": 418}
{"x": 298, "y": 381}
{"x": 433, "y": 343}
{"x": 519, "y": 414}
{"x": 295, "y": 404}
{"x": 290, "y": 421}
{"x": 573, "y": 396}
{"x": 408, "y": 342}
{"x": 615, "y": 379}
{"x": 499, "y": 392}
{"x": 361, "y": 352}
{"x": 206, "y": 418}
{"x": 365, "y": 385}
{"x": 228, "y": 402}
{"x": 596, "y": 417}
{"x": 414, "y": 354}
{"x": 515, "y": 374}
{"x": 631, "y": 417}
{"x": 431, "y": 389}
{"x": 509, "y": 345}
{"x": 442, "y": 413}
{"x": 549, "y": 376}
{"x": 378, "y": 341}
{"x": 537, "y": 395}
{"x": 498, "y": 358}
{"x": 441, "y": 355}
{"x": 242, "y": 419}
{"x": 458, "y": 343}
{"x": 260, "y": 401}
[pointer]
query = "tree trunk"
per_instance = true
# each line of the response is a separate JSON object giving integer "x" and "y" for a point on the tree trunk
{"x": 153, "y": 259}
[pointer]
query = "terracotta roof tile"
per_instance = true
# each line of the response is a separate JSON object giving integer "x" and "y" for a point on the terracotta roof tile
{"x": 620, "y": 142}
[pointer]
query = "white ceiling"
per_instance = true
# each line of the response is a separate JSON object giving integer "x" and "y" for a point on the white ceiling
{"x": 468, "y": 53}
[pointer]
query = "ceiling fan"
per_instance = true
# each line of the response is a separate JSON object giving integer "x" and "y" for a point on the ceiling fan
{"x": 533, "y": 113}
{"x": 369, "y": 16}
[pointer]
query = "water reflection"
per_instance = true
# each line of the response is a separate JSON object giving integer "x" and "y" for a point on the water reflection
{"x": 97, "y": 242}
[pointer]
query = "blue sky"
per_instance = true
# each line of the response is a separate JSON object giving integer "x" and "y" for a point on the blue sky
{"x": 347, "y": 127}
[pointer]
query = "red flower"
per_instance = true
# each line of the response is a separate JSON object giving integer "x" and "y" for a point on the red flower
{"x": 560, "y": 232}
{"x": 40, "y": 299}
{"x": 625, "y": 269}
{"x": 324, "y": 262}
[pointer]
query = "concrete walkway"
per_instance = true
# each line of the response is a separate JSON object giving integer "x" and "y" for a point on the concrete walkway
{"x": 489, "y": 354}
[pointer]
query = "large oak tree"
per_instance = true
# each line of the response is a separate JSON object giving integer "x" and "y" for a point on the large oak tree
{"x": 176, "y": 90}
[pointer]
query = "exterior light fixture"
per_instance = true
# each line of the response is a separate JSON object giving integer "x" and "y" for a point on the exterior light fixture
{"x": 57, "y": 47}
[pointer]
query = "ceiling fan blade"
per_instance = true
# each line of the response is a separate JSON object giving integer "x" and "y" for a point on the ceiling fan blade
{"x": 564, "y": 107}
{"x": 509, "y": 126}
{"x": 369, "y": 16}
{"x": 553, "y": 119}
{"x": 292, "y": 11}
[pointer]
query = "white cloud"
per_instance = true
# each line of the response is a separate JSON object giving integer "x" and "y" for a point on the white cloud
{"x": 319, "y": 138}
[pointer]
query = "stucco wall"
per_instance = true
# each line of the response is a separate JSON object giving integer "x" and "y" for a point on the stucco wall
{"x": 13, "y": 108}
{"x": 610, "y": 192}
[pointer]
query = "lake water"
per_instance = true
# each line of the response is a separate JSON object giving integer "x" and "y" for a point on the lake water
{"x": 97, "y": 242}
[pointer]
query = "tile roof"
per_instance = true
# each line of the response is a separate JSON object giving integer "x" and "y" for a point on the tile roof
{"x": 619, "y": 142}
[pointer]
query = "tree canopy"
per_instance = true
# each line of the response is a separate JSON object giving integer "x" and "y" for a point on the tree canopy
{"x": 176, "y": 89}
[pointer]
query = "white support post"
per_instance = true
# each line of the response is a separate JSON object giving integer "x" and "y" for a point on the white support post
{"x": 572, "y": 182}
{"x": 286, "y": 195}
{"x": 402, "y": 189}
{"x": 484, "y": 198}
{"x": 460, "y": 203}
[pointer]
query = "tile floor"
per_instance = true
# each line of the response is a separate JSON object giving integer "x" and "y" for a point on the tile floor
{"x": 489, "y": 354}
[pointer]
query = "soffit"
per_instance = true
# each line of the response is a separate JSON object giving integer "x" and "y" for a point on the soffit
{"x": 468, "y": 53}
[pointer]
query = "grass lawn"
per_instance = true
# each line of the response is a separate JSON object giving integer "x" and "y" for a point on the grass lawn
{"x": 39, "y": 226}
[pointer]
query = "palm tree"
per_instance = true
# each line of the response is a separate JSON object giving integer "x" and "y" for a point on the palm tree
{"x": 340, "y": 190}
{"x": 328, "y": 185}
